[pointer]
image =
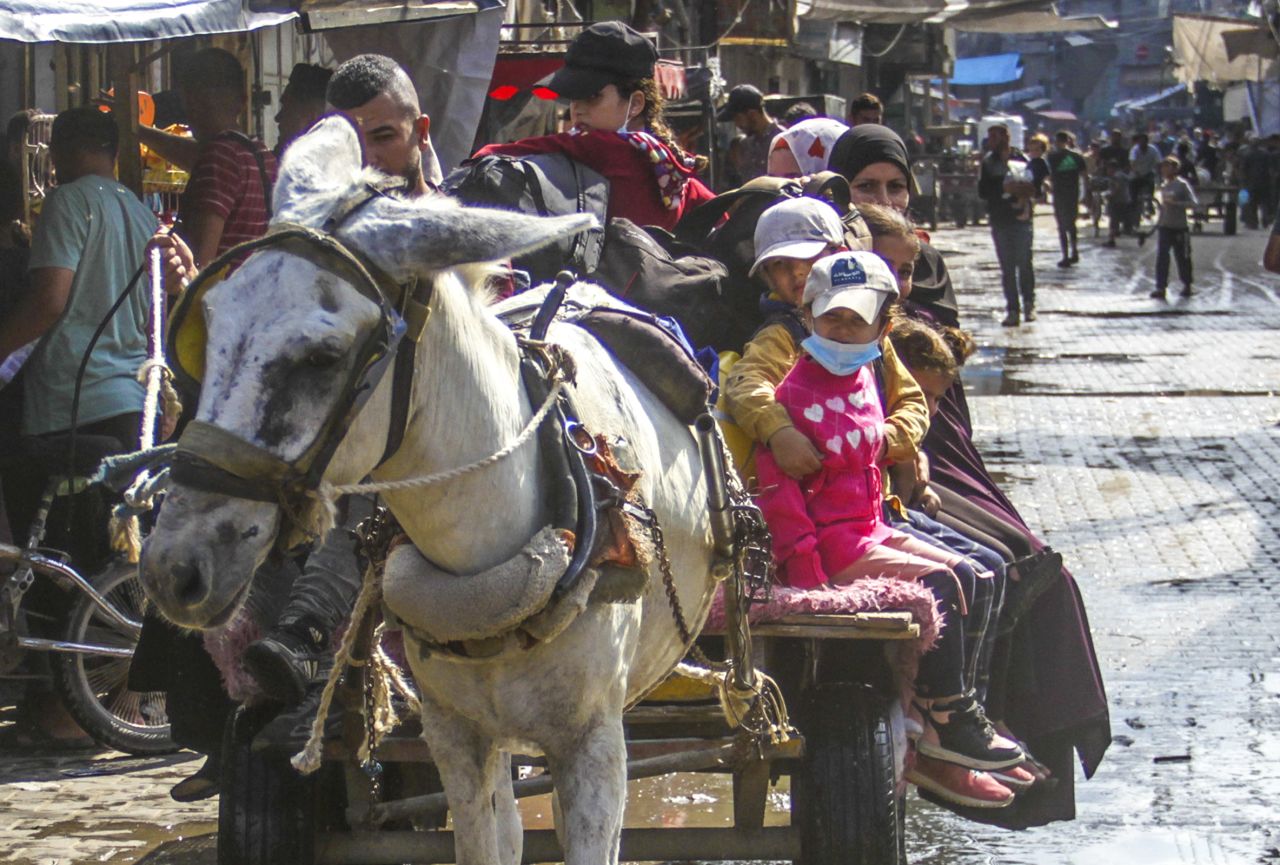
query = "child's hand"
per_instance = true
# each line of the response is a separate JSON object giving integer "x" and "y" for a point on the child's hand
{"x": 794, "y": 453}
{"x": 930, "y": 503}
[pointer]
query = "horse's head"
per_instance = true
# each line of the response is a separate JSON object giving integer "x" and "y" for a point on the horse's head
{"x": 296, "y": 341}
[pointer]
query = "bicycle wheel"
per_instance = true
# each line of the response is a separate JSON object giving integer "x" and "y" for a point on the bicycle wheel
{"x": 95, "y": 688}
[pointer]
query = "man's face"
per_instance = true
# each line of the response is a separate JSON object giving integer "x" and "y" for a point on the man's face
{"x": 999, "y": 137}
{"x": 393, "y": 137}
{"x": 866, "y": 115}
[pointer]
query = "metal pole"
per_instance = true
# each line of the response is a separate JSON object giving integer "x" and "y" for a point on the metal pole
{"x": 124, "y": 78}
{"x": 648, "y": 767}
{"x": 773, "y": 843}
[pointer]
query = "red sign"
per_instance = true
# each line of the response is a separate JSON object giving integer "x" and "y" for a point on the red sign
{"x": 1141, "y": 52}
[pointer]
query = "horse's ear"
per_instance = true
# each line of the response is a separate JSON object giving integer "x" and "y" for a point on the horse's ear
{"x": 435, "y": 234}
{"x": 317, "y": 167}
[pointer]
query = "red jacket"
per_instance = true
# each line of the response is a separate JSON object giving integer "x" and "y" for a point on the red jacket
{"x": 830, "y": 519}
{"x": 633, "y": 183}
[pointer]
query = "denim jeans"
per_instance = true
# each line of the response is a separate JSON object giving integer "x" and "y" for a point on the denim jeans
{"x": 986, "y": 596}
{"x": 1013, "y": 250}
{"x": 325, "y": 592}
{"x": 1178, "y": 242}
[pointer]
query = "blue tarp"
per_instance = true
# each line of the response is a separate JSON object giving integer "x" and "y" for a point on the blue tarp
{"x": 992, "y": 69}
{"x": 127, "y": 20}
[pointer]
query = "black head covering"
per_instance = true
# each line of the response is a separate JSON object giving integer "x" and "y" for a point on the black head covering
{"x": 866, "y": 144}
{"x": 869, "y": 143}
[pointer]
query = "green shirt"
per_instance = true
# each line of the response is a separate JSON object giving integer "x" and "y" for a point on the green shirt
{"x": 99, "y": 229}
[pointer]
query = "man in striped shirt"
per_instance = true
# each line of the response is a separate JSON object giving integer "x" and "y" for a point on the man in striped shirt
{"x": 228, "y": 198}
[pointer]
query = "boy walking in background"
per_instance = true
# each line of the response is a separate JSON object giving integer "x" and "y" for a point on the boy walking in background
{"x": 1175, "y": 195}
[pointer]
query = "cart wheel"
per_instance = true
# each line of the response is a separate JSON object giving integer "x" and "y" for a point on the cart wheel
{"x": 848, "y": 806}
{"x": 95, "y": 688}
{"x": 266, "y": 810}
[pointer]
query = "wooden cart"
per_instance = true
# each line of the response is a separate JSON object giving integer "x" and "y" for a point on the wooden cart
{"x": 844, "y": 763}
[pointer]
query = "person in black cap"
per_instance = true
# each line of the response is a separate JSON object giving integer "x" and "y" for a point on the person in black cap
{"x": 302, "y": 103}
{"x": 749, "y": 155}
{"x": 615, "y": 108}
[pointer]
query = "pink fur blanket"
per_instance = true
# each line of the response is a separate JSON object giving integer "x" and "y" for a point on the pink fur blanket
{"x": 862, "y": 596}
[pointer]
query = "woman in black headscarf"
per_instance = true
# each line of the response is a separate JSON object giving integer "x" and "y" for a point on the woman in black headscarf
{"x": 874, "y": 161}
{"x": 1054, "y": 698}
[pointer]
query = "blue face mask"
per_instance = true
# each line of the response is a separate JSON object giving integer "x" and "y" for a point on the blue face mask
{"x": 840, "y": 358}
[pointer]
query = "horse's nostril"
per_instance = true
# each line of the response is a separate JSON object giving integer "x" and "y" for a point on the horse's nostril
{"x": 188, "y": 586}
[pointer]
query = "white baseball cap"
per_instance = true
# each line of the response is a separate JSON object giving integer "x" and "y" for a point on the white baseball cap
{"x": 796, "y": 228}
{"x": 859, "y": 281}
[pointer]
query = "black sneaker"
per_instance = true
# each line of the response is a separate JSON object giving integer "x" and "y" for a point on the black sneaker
{"x": 291, "y": 729}
{"x": 1075, "y": 257}
{"x": 1011, "y": 320}
{"x": 1186, "y": 291}
{"x": 1029, "y": 315}
{"x": 1066, "y": 262}
{"x": 1037, "y": 572}
{"x": 1159, "y": 294}
{"x": 285, "y": 662}
{"x": 966, "y": 737}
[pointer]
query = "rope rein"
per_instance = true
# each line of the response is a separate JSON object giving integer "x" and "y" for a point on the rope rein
{"x": 332, "y": 492}
{"x": 160, "y": 398}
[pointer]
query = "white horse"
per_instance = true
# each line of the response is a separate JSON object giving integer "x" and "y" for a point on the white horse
{"x": 281, "y": 335}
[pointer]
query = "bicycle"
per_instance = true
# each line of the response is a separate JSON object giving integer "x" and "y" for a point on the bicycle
{"x": 96, "y": 638}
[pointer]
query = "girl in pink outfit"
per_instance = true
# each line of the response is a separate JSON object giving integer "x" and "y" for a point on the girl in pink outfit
{"x": 828, "y": 527}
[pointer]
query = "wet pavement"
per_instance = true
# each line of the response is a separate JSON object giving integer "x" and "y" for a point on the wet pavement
{"x": 1140, "y": 438}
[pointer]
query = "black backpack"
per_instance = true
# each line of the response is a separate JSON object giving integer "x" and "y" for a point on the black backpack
{"x": 546, "y": 184}
{"x": 724, "y": 228}
{"x": 649, "y": 269}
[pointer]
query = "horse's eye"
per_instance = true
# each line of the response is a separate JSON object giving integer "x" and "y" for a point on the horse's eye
{"x": 323, "y": 357}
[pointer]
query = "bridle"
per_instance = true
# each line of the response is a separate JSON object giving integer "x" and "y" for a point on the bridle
{"x": 212, "y": 459}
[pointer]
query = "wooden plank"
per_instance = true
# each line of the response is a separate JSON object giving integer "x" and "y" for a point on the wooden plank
{"x": 893, "y": 621}
{"x": 833, "y": 632}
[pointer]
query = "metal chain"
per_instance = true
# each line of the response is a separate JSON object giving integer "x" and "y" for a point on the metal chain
{"x": 673, "y": 599}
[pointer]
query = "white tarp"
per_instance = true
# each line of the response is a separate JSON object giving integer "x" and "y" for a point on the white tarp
{"x": 1200, "y": 51}
{"x": 101, "y": 21}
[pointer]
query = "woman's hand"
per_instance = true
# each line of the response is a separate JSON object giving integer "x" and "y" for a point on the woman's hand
{"x": 178, "y": 265}
{"x": 930, "y": 503}
{"x": 794, "y": 453}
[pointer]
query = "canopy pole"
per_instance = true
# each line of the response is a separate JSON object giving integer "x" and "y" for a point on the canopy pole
{"x": 122, "y": 66}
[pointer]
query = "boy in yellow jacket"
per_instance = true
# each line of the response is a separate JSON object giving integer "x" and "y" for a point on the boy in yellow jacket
{"x": 789, "y": 238}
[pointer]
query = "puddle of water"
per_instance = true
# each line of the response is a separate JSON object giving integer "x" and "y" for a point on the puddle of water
{"x": 1156, "y": 848}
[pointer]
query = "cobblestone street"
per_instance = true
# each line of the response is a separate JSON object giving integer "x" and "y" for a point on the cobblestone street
{"x": 1141, "y": 438}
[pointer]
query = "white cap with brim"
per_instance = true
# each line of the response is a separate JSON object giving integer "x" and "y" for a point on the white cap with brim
{"x": 796, "y": 228}
{"x": 858, "y": 281}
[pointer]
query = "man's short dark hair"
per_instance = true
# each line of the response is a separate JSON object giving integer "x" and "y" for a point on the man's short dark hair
{"x": 797, "y": 112}
{"x": 865, "y": 102}
{"x": 85, "y": 129}
{"x": 1141, "y": 138}
{"x": 309, "y": 82}
{"x": 211, "y": 69}
{"x": 364, "y": 77}
{"x": 1062, "y": 135}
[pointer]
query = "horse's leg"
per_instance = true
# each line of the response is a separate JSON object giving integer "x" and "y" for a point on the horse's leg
{"x": 468, "y": 764}
{"x": 591, "y": 780}
{"x": 509, "y": 826}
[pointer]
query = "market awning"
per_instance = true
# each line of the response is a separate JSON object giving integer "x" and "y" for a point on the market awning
{"x": 1027, "y": 21}
{"x": 1147, "y": 101}
{"x": 330, "y": 14}
{"x": 127, "y": 20}
{"x": 1208, "y": 48}
{"x": 1059, "y": 116}
{"x": 909, "y": 11}
{"x": 103, "y": 21}
{"x": 991, "y": 69}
